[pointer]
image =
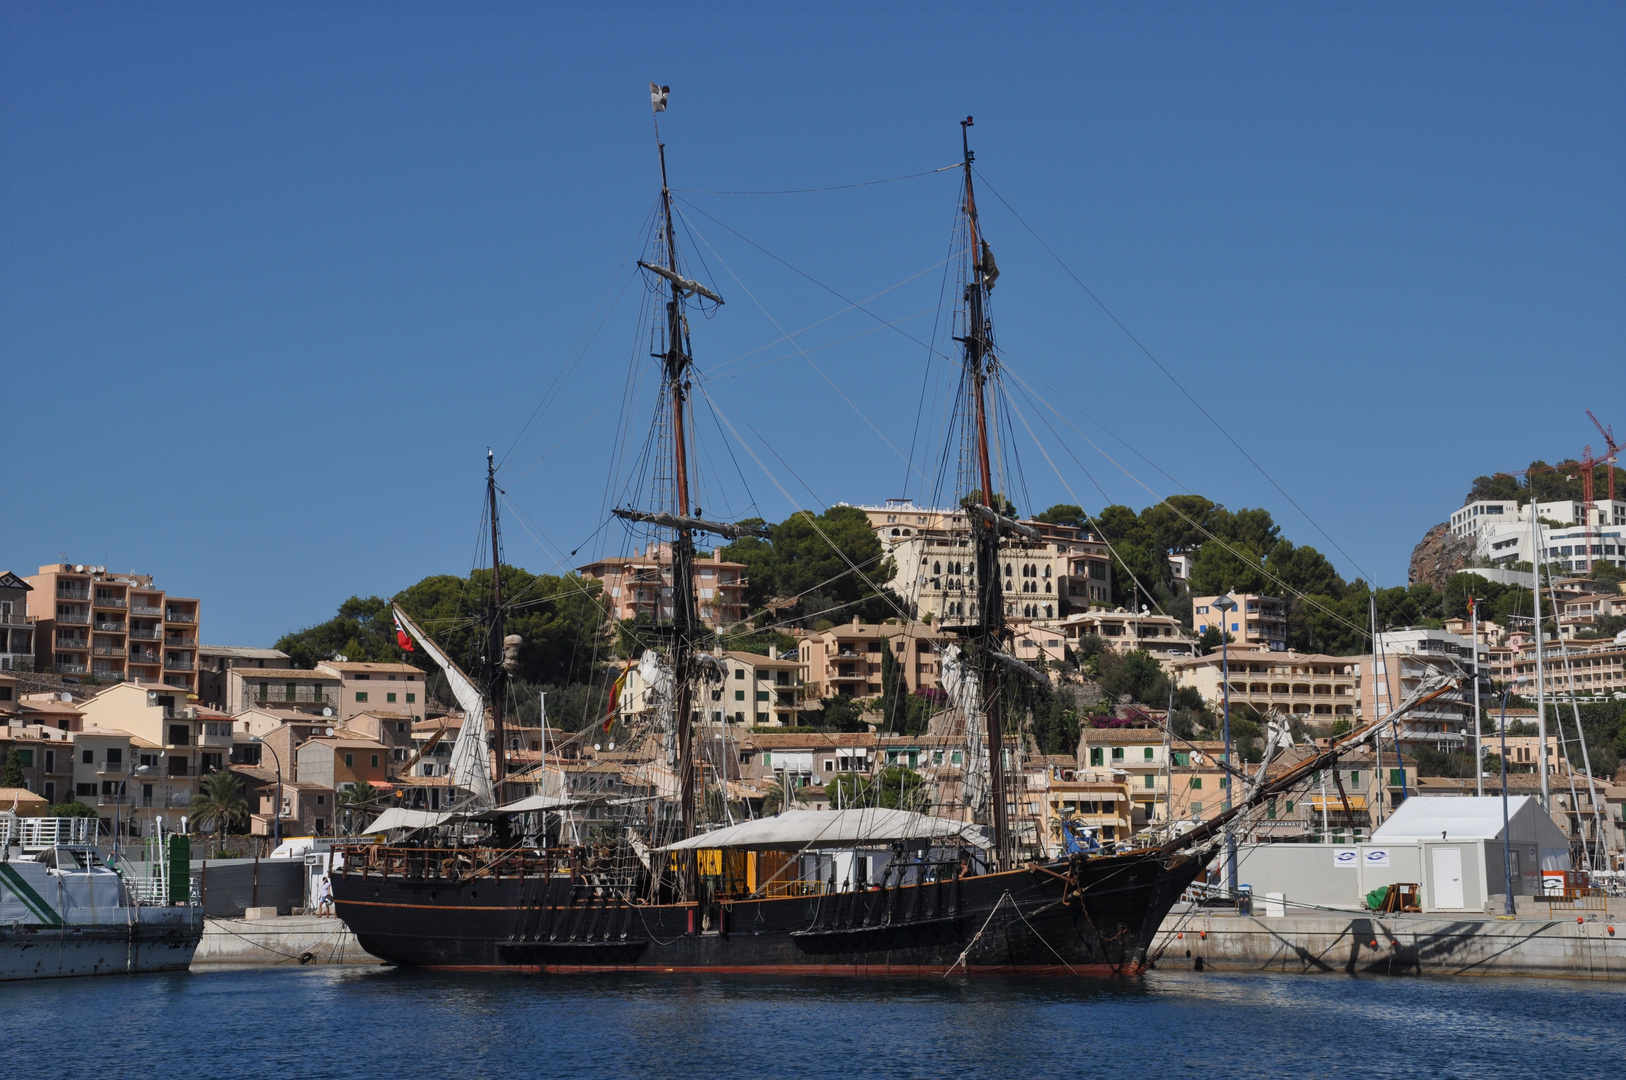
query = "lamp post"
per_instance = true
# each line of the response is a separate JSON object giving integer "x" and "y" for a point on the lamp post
{"x": 1507, "y": 849}
{"x": 276, "y": 810}
{"x": 118, "y": 808}
{"x": 1226, "y": 605}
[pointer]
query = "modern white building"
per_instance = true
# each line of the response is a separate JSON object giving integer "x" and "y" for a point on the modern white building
{"x": 1566, "y": 546}
{"x": 1483, "y": 514}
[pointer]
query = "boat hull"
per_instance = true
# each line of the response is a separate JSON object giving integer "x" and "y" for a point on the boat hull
{"x": 159, "y": 939}
{"x": 1080, "y": 916}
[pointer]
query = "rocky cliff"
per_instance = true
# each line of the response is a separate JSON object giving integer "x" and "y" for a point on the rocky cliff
{"x": 1438, "y": 557}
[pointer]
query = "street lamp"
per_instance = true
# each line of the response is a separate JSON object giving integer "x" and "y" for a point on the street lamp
{"x": 1226, "y": 605}
{"x": 118, "y": 809}
{"x": 276, "y": 811}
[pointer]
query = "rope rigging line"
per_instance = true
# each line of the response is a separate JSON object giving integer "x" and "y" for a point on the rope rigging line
{"x": 808, "y": 191}
{"x": 1170, "y": 376}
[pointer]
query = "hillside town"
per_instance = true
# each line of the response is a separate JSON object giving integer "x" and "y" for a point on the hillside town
{"x": 115, "y": 709}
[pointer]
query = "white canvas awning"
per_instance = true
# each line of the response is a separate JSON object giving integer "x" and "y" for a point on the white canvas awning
{"x": 797, "y": 829}
{"x": 397, "y": 817}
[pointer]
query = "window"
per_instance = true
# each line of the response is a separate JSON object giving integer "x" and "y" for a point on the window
{"x": 1355, "y": 775}
{"x": 85, "y": 789}
{"x": 88, "y": 757}
{"x": 361, "y": 695}
{"x": 1196, "y": 784}
{"x": 1397, "y": 776}
{"x": 1151, "y": 780}
{"x": 115, "y": 755}
{"x": 320, "y": 799}
{"x": 1117, "y": 753}
{"x": 400, "y": 728}
{"x": 349, "y": 760}
{"x": 375, "y": 761}
{"x": 762, "y": 695}
{"x": 1182, "y": 758}
{"x": 1148, "y": 753}
{"x": 739, "y": 695}
{"x": 411, "y": 698}
{"x": 389, "y": 697}
{"x": 739, "y": 673}
{"x": 767, "y": 759}
{"x": 1095, "y": 755}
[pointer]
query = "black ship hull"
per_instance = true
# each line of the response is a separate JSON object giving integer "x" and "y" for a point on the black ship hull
{"x": 1080, "y": 916}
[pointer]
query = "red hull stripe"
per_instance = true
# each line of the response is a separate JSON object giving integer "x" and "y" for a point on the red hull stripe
{"x": 866, "y": 970}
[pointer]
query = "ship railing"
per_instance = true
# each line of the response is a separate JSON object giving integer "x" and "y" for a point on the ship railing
{"x": 778, "y": 890}
{"x": 464, "y": 863}
{"x": 37, "y": 834}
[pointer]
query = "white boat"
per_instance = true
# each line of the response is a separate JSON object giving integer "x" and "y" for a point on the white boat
{"x": 64, "y": 911}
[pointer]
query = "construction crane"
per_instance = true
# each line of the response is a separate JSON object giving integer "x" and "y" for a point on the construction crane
{"x": 1608, "y": 434}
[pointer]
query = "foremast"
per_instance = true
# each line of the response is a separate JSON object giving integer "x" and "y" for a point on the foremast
{"x": 986, "y": 631}
{"x": 496, "y": 659}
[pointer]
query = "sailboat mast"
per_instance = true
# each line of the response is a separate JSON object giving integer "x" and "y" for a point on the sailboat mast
{"x": 991, "y": 607}
{"x": 685, "y": 613}
{"x": 494, "y": 650}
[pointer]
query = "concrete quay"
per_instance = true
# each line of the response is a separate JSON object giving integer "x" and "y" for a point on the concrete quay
{"x": 1531, "y": 943}
{"x": 281, "y": 940}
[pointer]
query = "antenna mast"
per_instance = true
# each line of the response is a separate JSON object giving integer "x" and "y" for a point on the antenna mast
{"x": 496, "y": 673}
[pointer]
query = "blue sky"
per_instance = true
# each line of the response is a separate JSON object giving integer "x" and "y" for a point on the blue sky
{"x": 273, "y": 277}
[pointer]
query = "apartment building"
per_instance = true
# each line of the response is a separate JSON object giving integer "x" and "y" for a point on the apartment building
{"x": 1092, "y": 798}
{"x": 934, "y": 571}
{"x": 846, "y": 659}
{"x": 377, "y": 688}
{"x": 45, "y": 756}
{"x": 186, "y": 741}
{"x": 215, "y": 660}
{"x": 16, "y": 624}
{"x": 1140, "y": 756}
{"x": 1160, "y": 635}
{"x": 1486, "y": 515}
{"x": 1309, "y": 685}
{"x": 1256, "y": 621}
{"x": 1598, "y": 671}
{"x": 639, "y": 587}
{"x": 283, "y": 688}
{"x": 764, "y": 691}
{"x": 113, "y": 627}
{"x": 109, "y": 777}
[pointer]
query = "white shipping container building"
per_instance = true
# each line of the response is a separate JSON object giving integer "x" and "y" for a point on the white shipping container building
{"x": 1451, "y": 848}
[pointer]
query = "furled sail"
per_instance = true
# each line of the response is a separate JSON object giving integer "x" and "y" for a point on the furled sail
{"x": 471, "y": 762}
{"x": 964, "y": 691}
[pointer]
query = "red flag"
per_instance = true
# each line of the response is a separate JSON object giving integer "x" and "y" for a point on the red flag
{"x": 615, "y": 696}
{"x": 1470, "y": 607}
{"x": 402, "y": 638}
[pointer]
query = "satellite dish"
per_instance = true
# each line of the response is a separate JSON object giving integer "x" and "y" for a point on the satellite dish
{"x": 80, "y": 569}
{"x": 612, "y": 745}
{"x": 326, "y": 711}
{"x": 596, "y": 746}
{"x": 329, "y": 731}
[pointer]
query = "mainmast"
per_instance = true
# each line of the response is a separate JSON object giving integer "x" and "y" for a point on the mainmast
{"x": 496, "y": 671}
{"x": 988, "y": 631}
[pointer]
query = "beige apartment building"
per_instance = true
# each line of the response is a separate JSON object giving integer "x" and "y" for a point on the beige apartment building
{"x": 377, "y": 688}
{"x": 282, "y": 688}
{"x": 1313, "y": 686}
{"x": 1256, "y": 621}
{"x": 1160, "y": 635}
{"x": 215, "y": 660}
{"x": 934, "y": 564}
{"x": 763, "y": 691}
{"x": 16, "y": 624}
{"x": 180, "y": 742}
{"x": 639, "y": 587}
{"x": 113, "y": 627}
{"x": 846, "y": 659}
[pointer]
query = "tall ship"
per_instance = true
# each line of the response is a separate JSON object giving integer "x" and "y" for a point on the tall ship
{"x": 669, "y": 878}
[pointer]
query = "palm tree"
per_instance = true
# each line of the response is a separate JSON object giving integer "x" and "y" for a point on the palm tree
{"x": 781, "y": 797}
{"x": 361, "y": 803}
{"x": 219, "y": 802}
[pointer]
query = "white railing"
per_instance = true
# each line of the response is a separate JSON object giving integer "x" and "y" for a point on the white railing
{"x": 143, "y": 609}
{"x": 37, "y": 834}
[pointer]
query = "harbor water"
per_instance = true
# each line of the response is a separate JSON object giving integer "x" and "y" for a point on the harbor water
{"x": 342, "y": 1023}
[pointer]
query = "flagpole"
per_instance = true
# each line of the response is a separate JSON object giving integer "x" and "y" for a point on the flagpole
{"x": 1479, "y": 737}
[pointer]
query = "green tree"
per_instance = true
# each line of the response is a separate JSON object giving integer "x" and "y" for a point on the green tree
{"x": 1064, "y": 514}
{"x": 781, "y": 797}
{"x": 360, "y": 804}
{"x": 894, "y": 787}
{"x": 808, "y": 562}
{"x": 11, "y": 772}
{"x": 71, "y": 809}
{"x": 220, "y": 803}
{"x": 843, "y": 712}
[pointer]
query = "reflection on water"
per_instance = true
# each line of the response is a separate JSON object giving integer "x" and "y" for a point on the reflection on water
{"x": 317, "y": 1023}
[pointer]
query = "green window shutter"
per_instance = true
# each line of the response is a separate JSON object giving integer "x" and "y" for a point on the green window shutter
{"x": 1196, "y": 783}
{"x": 1397, "y": 776}
{"x": 1151, "y": 780}
{"x": 1095, "y": 755}
{"x": 1148, "y": 753}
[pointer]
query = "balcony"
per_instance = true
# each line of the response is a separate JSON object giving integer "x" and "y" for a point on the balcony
{"x": 181, "y": 641}
{"x": 110, "y": 627}
{"x": 74, "y": 618}
{"x": 146, "y": 611}
{"x": 148, "y": 635}
{"x": 72, "y": 594}
{"x": 109, "y": 674}
{"x": 72, "y": 644}
{"x": 71, "y": 669}
{"x": 176, "y": 664}
{"x": 116, "y": 602}
{"x": 145, "y": 658}
{"x": 8, "y": 619}
{"x": 180, "y": 617}
{"x": 108, "y": 650}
